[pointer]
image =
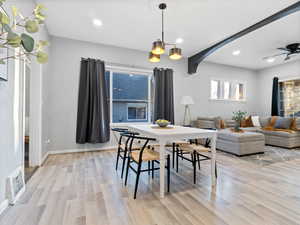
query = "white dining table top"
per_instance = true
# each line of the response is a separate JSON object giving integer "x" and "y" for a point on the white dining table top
{"x": 155, "y": 131}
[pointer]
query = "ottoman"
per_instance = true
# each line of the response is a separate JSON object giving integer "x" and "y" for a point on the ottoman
{"x": 240, "y": 144}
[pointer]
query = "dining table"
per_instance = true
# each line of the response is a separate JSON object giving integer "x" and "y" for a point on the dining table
{"x": 171, "y": 134}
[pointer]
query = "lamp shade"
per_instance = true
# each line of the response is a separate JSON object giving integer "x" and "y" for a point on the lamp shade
{"x": 154, "y": 58}
{"x": 187, "y": 100}
{"x": 175, "y": 53}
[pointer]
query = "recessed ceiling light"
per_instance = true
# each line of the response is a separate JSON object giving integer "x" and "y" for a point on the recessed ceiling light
{"x": 270, "y": 60}
{"x": 236, "y": 52}
{"x": 97, "y": 22}
{"x": 179, "y": 40}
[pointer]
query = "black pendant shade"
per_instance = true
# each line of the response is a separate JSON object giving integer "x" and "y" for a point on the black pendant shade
{"x": 158, "y": 47}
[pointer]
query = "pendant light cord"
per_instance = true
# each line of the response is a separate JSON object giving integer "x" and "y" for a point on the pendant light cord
{"x": 162, "y": 27}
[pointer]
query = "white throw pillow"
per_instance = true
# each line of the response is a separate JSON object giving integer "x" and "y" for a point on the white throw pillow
{"x": 255, "y": 121}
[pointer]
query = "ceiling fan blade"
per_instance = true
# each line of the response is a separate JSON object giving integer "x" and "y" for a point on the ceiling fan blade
{"x": 283, "y": 49}
{"x": 267, "y": 57}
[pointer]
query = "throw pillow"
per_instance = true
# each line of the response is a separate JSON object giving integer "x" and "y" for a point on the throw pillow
{"x": 294, "y": 124}
{"x": 283, "y": 123}
{"x": 255, "y": 121}
{"x": 273, "y": 121}
{"x": 222, "y": 124}
{"x": 264, "y": 121}
{"x": 247, "y": 122}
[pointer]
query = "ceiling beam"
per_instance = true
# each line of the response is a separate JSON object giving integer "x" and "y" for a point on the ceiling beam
{"x": 194, "y": 60}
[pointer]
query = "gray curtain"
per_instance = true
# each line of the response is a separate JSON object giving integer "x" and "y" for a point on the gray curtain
{"x": 93, "y": 116}
{"x": 163, "y": 94}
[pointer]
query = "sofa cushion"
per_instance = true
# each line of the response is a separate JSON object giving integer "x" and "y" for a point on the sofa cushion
{"x": 295, "y": 124}
{"x": 283, "y": 123}
{"x": 264, "y": 121}
{"x": 282, "y": 133}
{"x": 230, "y": 123}
{"x": 251, "y": 129}
{"x": 255, "y": 121}
{"x": 228, "y": 135}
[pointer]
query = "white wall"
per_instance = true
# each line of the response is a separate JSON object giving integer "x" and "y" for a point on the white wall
{"x": 62, "y": 84}
{"x": 11, "y": 155}
{"x": 265, "y": 77}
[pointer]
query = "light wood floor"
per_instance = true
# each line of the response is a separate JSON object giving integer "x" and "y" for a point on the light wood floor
{"x": 85, "y": 189}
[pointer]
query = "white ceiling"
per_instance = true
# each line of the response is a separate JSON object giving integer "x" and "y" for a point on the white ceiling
{"x": 136, "y": 24}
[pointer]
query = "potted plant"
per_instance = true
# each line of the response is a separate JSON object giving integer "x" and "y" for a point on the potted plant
{"x": 16, "y": 31}
{"x": 238, "y": 117}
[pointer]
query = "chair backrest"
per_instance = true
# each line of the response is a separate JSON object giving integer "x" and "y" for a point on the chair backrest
{"x": 142, "y": 140}
{"x": 116, "y": 132}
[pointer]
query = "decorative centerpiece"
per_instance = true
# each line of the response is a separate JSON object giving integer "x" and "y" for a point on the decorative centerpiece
{"x": 238, "y": 117}
{"x": 162, "y": 123}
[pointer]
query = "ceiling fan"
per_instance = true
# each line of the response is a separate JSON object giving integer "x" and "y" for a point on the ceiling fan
{"x": 289, "y": 51}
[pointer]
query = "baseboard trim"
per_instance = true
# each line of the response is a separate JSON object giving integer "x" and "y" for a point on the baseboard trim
{"x": 66, "y": 151}
{"x": 44, "y": 158}
{"x": 3, "y": 206}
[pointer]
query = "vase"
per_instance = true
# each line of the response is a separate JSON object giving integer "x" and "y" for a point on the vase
{"x": 237, "y": 126}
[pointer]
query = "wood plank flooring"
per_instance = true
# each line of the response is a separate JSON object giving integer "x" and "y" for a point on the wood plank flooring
{"x": 85, "y": 189}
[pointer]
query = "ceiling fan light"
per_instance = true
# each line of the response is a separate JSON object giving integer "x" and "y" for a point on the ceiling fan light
{"x": 158, "y": 47}
{"x": 175, "y": 53}
{"x": 154, "y": 58}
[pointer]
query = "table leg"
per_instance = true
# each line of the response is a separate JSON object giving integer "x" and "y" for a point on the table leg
{"x": 213, "y": 159}
{"x": 162, "y": 167}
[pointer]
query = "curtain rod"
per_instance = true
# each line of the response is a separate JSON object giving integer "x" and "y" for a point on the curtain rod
{"x": 112, "y": 64}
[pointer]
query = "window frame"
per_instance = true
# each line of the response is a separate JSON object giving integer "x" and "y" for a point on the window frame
{"x": 136, "y": 109}
{"x": 131, "y": 71}
{"x": 244, "y": 83}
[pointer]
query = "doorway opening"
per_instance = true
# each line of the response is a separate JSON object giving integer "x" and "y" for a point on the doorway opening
{"x": 28, "y": 169}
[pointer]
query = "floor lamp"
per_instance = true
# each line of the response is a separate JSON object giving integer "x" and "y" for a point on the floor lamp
{"x": 187, "y": 101}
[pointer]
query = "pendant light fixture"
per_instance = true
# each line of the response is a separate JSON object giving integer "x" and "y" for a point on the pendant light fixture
{"x": 158, "y": 46}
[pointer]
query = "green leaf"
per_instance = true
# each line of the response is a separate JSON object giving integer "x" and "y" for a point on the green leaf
{"x": 7, "y": 28}
{"x": 39, "y": 16}
{"x": 27, "y": 42}
{"x": 42, "y": 57}
{"x": 4, "y": 19}
{"x": 13, "y": 40}
{"x": 32, "y": 26}
{"x": 2, "y": 61}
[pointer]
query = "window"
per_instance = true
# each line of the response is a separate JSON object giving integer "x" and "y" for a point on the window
{"x": 289, "y": 98}
{"x": 137, "y": 111}
{"x": 227, "y": 90}
{"x": 130, "y": 91}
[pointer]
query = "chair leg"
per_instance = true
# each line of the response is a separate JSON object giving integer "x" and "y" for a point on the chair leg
{"x": 152, "y": 169}
{"x": 118, "y": 156}
{"x": 173, "y": 154}
{"x": 177, "y": 156}
{"x": 149, "y": 168}
{"x": 168, "y": 175}
{"x": 194, "y": 165}
{"x": 216, "y": 171}
{"x": 123, "y": 164}
{"x": 137, "y": 179}
{"x": 127, "y": 170}
{"x": 198, "y": 158}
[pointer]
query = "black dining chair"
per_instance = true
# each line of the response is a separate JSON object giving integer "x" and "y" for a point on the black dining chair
{"x": 146, "y": 153}
{"x": 122, "y": 146}
{"x": 197, "y": 154}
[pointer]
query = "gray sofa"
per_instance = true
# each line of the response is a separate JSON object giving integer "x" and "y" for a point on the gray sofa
{"x": 274, "y": 138}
